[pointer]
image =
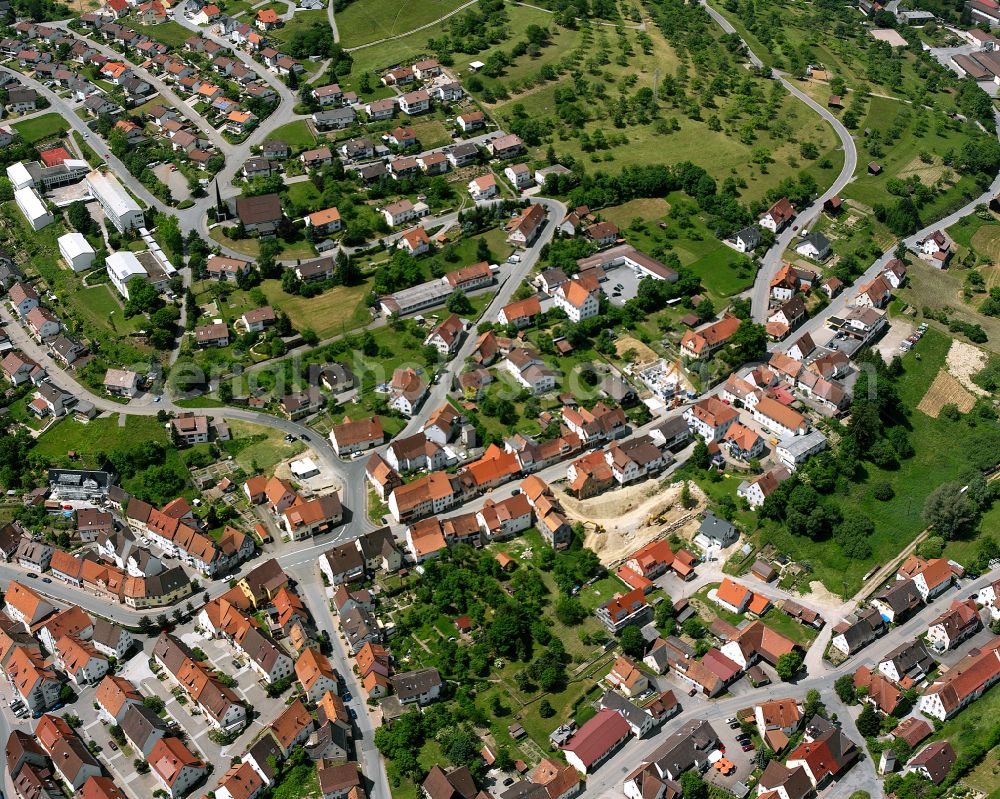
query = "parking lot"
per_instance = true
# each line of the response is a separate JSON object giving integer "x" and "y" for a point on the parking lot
{"x": 899, "y": 331}
{"x": 621, "y": 286}
{"x": 733, "y": 752}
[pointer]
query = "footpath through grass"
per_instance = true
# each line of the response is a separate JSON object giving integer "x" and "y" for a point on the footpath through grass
{"x": 365, "y": 21}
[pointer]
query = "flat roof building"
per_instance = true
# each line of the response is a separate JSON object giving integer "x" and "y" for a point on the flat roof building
{"x": 122, "y": 267}
{"x": 34, "y": 208}
{"x": 76, "y": 251}
{"x": 117, "y": 203}
{"x": 417, "y": 298}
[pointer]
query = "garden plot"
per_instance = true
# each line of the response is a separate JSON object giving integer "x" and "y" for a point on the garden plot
{"x": 945, "y": 390}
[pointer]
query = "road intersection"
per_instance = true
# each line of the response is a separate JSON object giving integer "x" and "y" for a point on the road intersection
{"x": 300, "y": 557}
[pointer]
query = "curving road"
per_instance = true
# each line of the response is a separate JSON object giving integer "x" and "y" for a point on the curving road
{"x": 68, "y": 112}
{"x": 430, "y": 24}
{"x": 771, "y": 262}
{"x": 839, "y": 305}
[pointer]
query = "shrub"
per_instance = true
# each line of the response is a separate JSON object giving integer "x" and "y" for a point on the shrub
{"x": 882, "y": 491}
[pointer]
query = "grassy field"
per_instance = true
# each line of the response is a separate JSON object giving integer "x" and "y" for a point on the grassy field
{"x": 365, "y": 21}
{"x": 334, "y": 311}
{"x": 938, "y": 458}
{"x": 99, "y": 307}
{"x": 303, "y": 193}
{"x": 971, "y": 726}
{"x": 40, "y": 128}
{"x": 89, "y": 155}
{"x": 722, "y": 270}
{"x": 301, "y": 20}
{"x": 914, "y": 153}
{"x": 938, "y": 288}
{"x": 406, "y": 49}
{"x": 100, "y": 435}
{"x": 251, "y": 247}
{"x": 170, "y": 33}
{"x": 264, "y": 454}
{"x": 430, "y": 132}
{"x": 722, "y": 151}
{"x": 296, "y": 134}
{"x": 986, "y": 776}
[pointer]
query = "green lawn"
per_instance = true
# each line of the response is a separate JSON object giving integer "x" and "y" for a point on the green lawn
{"x": 722, "y": 270}
{"x": 169, "y": 33}
{"x": 40, "y": 128}
{"x": 298, "y": 782}
{"x": 250, "y": 247}
{"x": 939, "y": 457}
{"x": 268, "y": 447}
{"x": 986, "y": 776}
{"x": 972, "y": 725}
{"x": 913, "y": 153}
{"x": 99, "y": 435}
{"x": 296, "y": 134}
{"x": 430, "y": 132}
{"x": 99, "y": 306}
{"x": 365, "y": 21}
{"x": 336, "y": 310}
{"x": 780, "y": 622}
{"x": 301, "y": 20}
{"x": 89, "y": 155}
{"x": 302, "y": 193}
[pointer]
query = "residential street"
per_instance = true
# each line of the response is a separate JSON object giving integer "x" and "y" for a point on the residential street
{"x": 318, "y": 601}
{"x": 300, "y": 558}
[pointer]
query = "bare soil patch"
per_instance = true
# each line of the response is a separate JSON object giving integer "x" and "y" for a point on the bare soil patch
{"x": 643, "y": 353}
{"x": 619, "y": 522}
{"x": 965, "y": 360}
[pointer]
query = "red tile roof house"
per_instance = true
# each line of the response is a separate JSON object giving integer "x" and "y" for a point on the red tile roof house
{"x": 596, "y": 741}
{"x": 710, "y": 418}
{"x": 652, "y": 560}
{"x": 948, "y": 630}
{"x": 934, "y": 762}
{"x": 963, "y": 683}
{"x": 824, "y": 755}
{"x": 777, "y": 720}
{"x": 732, "y": 596}
{"x": 625, "y": 609}
{"x": 626, "y": 677}
{"x": 778, "y": 215}
{"x": 931, "y": 577}
{"x": 756, "y": 642}
{"x": 880, "y": 693}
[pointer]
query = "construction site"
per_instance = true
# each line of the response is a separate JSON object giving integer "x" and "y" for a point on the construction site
{"x": 619, "y": 522}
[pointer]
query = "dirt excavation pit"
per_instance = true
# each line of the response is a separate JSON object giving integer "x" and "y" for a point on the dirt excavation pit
{"x": 963, "y": 362}
{"x": 619, "y": 522}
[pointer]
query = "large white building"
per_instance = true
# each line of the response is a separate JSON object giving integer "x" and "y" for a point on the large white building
{"x": 122, "y": 267}
{"x": 34, "y": 208}
{"x": 76, "y": 251}
{"x": 117, "y": 203}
